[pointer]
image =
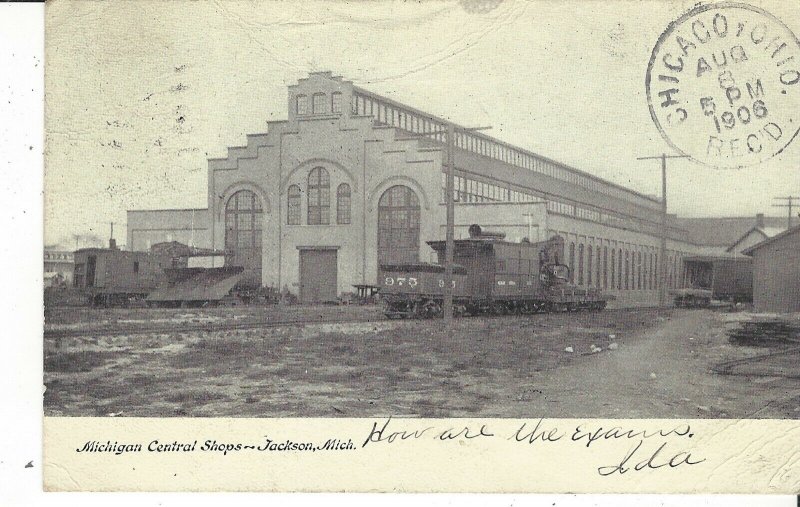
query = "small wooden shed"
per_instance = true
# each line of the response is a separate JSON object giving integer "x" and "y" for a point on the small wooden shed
{"x": 776, "y": 272}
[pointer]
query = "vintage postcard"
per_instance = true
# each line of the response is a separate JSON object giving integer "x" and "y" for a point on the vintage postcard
{"x": 445, "y": 246}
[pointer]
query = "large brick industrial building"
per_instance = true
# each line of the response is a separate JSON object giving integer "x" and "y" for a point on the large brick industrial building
{"x": 348, "y": 181}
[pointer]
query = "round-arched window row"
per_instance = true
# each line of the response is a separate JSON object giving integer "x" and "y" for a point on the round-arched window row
{"x": 319, "y": 200}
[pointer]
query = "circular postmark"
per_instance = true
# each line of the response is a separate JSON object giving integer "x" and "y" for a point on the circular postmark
{"x": 723, "y": 85}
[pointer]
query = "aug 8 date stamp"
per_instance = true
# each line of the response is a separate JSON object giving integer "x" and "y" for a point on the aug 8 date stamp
{"x": 723, "y": 85}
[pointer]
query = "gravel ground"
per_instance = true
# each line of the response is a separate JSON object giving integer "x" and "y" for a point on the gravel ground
{"x": 644, "y": 364}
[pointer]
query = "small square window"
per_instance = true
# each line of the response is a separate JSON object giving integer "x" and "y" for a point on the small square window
{"x": 302, "y": 104}
{"x": 318, "y": 105}
{"x": 336, "y": 102}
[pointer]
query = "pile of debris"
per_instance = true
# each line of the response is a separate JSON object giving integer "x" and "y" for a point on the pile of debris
{"x": 766, "y": 332}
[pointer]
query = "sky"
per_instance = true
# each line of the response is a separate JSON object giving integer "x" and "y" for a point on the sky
{"x": 139, "y": 94}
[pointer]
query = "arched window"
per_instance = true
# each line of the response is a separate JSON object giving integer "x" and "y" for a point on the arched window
{"x": 656, "y": 272}
{"x": 293, "y": 213}
{"x": 318, "y": 104}
{"x": 599, "y": 268}
{"x": 319, "y": 197}
{"x": 343, "y": 204}
{"x": 580, "y": 264}
{"x": 243, "y": 215}
{"x": 627, "y": 269}
{"x": 633, "y": 270}
{"x": 619, "y": 269}
{"x": 651, "y": 272}
{"x": 336, "y": 102}
{"x": 302, "y": 104}
{"x": 639, "y": 270}
{"x": 605, "y": 267}
{"x": 590, "y": 264}
{"x": 669, "y": 271}
{"x": 398, "y": 226}
{"x": 572, "y": 262}
{"x": 613, "y": 268}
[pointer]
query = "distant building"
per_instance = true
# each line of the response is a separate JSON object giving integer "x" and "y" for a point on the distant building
{"x": 776, "y": 272}
{"x": 724, "y": 231}
{"x": 59, "y": 266}
{"x": 755, "y": 235}
{"x": 149, "y": 227}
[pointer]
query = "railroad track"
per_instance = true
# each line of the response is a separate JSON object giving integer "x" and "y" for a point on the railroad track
{"x": 208, "y": 327}
{"x": 266, "y": 324}
{"x": 727, "y": 367}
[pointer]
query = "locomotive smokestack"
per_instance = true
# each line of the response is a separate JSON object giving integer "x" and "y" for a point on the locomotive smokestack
{"x": 112, "y": 243}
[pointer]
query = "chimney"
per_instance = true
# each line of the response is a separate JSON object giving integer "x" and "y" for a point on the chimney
{"x": 112, "y": 243}
{"x": 760, "y": 220}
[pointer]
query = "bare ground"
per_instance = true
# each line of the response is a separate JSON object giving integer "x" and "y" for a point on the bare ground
{"x": 491, "y": 367}
{"x": 100, "y": 320}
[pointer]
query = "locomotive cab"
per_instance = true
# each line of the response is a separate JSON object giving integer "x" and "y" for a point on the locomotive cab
{"x": 555, "y": 274}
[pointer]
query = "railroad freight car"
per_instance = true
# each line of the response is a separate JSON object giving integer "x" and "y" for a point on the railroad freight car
{"x": 417, "y": 289}
{"x": 492, "y": 276}
{"x": 718, "y": 277}
{"x": 167, "y": 275}
{"x": 116, "y": 277}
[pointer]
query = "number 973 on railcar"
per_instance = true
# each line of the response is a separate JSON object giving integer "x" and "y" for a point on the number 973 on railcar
{"x": 417, "y": 289}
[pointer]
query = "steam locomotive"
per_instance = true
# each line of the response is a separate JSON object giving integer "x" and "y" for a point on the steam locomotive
{"x": 490, "y": 276}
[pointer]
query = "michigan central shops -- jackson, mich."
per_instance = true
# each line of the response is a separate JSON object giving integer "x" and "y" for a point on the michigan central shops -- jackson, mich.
{"x": 269, "y": 445}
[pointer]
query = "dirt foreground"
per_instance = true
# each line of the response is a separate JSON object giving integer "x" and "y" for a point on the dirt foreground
{"x": 644, "y": 364}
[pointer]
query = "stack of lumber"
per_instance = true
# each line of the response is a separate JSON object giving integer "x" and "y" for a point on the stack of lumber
{"x": 766, "y": 331}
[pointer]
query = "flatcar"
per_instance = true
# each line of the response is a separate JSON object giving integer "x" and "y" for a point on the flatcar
{"x": 491, "y": 276}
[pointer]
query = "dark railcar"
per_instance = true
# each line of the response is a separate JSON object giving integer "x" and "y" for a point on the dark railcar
{"x": 110, "y": 276}
{"x": 500, "y": 277}
{"x": 720, "y": 277}
{"x": 417, "y": 289}
{"x": 113, "y": 277}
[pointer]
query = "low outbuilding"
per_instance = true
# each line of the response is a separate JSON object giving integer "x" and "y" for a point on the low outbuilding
{"x": 776, "y": 272}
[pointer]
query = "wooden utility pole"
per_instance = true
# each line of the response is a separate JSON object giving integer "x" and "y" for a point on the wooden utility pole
{"x": 662, "y": 257}
{"x": 792, "y": 200}
{"x": 449, "y": 244}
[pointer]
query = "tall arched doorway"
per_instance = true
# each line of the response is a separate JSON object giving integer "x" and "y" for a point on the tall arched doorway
{"x": 398, "y": 226}
{"x": 243, "y": 216}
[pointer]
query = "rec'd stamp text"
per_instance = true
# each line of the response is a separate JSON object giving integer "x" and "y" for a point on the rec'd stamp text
{"x": 723, "y": 84}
